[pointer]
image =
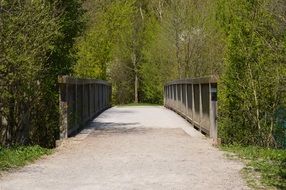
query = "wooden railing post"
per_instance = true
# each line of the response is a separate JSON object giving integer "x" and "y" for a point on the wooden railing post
{"x": 76, "y": 105}
{"x": 201, "y": 104}
{"x": 193, "y": 103}
{"x": 63, "y": 111}
{"x": 186, "y": 94}
{"x": 213, "y": 112}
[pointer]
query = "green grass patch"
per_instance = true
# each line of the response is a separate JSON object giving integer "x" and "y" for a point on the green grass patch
{"x": 19, "y": 156}
{"x": 138, "y": 104}
{"x": 265, "y": 168}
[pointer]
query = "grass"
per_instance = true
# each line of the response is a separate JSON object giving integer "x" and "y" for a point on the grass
{"x": 138, "y": 104}
{"x": 265, "y": 168}
{"x": 11, "y": 158}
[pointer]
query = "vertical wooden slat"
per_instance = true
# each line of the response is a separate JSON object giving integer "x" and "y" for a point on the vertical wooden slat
{"x": 191, "y": 98}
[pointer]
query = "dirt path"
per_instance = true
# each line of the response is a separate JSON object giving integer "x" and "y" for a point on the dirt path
{"x": 132, "y": 148}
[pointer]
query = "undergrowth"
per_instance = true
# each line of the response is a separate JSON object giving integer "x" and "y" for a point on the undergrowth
{"x": 19, "y": 156}
{"x": 265, "y": 168}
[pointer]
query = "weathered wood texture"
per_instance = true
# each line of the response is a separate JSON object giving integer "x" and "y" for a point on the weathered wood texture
{"x": 81, "y": 100}
{"x": 195, "y": 100}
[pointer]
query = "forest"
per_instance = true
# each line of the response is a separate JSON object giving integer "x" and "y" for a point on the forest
{"x": 138, "y": 46}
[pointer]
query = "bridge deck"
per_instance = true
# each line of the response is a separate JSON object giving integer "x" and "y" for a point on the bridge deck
{"x": 131, "y": 148}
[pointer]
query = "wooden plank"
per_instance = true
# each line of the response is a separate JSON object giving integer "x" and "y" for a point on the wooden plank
{"x": 79, "y": 81}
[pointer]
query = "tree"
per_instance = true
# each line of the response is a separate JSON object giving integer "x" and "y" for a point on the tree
{"x": 27, "y": 32}
{"x": 255, "y": 64}
{"x": 36, "y": 38}
{"x": 113, "y": 39}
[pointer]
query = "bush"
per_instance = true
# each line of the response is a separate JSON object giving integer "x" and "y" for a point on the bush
{"x": 36, "y": 38}
{"x": 250, "y": 87}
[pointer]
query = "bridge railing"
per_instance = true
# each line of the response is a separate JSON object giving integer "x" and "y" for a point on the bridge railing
{"x": 195, "y": 100}
{"x": 81, "y": 100}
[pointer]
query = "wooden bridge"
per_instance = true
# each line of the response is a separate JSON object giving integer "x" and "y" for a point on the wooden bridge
{"x": 194, "y": 99}
{"x": 133, "y": 147}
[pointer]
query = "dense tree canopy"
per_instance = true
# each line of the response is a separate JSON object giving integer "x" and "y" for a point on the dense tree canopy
{"x": 135, "y": 43}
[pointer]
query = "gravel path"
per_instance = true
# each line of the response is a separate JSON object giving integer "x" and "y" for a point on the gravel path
{"x": 128, "y": 148}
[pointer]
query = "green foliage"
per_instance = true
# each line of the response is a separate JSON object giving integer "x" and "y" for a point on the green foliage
{"x": 60, "y": 61}
{"x": 105, "y": 48}
{"x": 250, "y": 87}
{"x": 110, "y": 46}
{"x": 140, "y": 45}
{"x": 27, "y": 33}
{"x": 19, "y": 156}
{"x": 36, "y": 38}
{"x": 103, "y": 39}
{"x": 270, "y": 164}
{"x": 156, "y": 63}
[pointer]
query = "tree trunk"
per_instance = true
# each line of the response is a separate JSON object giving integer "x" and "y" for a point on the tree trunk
{"x": 256, "y": 100}
{"x": 136, "y": 86}
{"x": 11, "y": 122}
{"x": 178, "y": 52}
